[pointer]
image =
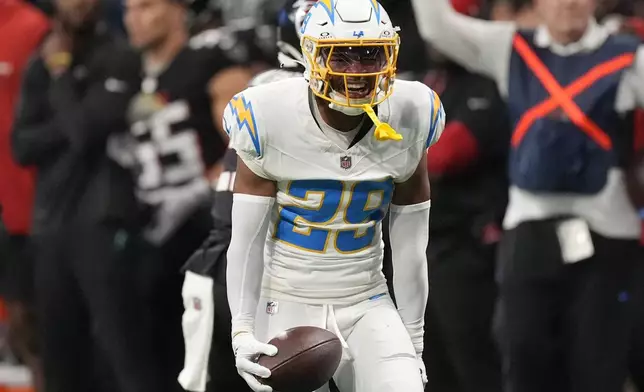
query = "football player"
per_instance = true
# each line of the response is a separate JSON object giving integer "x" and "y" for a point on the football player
{"x": 184, "y": 83}
{"x": 318, "y": 168}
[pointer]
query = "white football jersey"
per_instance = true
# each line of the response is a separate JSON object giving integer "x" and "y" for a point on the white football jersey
{"x": 325, "y": 242}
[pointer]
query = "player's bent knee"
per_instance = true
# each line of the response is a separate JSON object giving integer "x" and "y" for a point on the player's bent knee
{"x": 394, "y": 374}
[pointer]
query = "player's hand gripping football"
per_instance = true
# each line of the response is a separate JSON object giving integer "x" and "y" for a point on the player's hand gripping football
{"x": 247, "y": 349}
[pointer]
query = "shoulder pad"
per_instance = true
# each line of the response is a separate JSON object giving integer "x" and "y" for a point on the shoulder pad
{"x": 419, "y": 111}
{"x": 436, "y": 119}
{"x": 241, "y": 123}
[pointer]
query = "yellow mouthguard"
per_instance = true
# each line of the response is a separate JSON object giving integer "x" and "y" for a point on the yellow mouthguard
{"x": 383, "y": 131}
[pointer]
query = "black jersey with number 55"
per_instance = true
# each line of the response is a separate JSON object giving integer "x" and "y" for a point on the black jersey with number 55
{"x": 172, "y": 139}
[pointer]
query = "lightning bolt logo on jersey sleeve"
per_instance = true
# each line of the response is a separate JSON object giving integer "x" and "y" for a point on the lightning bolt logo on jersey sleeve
{"x": 436, "y": 119}
{"x": 241, "y": 123}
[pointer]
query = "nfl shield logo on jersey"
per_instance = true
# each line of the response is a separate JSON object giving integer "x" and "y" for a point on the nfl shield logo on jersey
{"x": 345, "y": 162}
{"x": 271, "y": 307}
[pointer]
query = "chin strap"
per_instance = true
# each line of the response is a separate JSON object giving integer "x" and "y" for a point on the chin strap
{"x": 383, "y": 131}
{"x": 348, "y": 110}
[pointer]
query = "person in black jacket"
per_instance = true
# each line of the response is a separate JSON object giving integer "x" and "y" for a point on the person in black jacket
{"x": 469, "y": 195}
{"x": 208, "y": 264}
{"x": 85, "y": 214}
{"x": 171, "y": 146}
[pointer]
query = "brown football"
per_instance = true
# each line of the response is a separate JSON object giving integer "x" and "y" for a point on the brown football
{"x": 307, "y": 358}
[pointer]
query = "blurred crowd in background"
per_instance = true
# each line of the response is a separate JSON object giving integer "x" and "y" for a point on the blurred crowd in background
{"x": 469, "y": 194}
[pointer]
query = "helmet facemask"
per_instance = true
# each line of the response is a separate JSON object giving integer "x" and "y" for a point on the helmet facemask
{"x": 351, "y": 73}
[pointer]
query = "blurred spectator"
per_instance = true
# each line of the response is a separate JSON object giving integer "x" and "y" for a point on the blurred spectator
{"x": 569, "y": 253}
{"x": 469, "y": 195}
{"x": 616, "y": 20}
{"x": 179, "y": 89}
{"x": 522, "y": 12}
{"x": 212, "y": 361}
{"x": 85, "y": 215}
{"x": 23, "y": 27}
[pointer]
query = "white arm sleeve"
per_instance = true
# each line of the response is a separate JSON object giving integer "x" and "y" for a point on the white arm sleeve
{"x": 250, "y": 217}
{"x": 409, "y": 235}
{"x": 478, "y": 45}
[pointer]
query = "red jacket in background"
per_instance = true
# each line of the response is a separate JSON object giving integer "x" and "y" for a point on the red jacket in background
{"x": 22, "y": 28}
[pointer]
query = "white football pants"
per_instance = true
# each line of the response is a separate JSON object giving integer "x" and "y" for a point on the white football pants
{"x": 378, "y": 355}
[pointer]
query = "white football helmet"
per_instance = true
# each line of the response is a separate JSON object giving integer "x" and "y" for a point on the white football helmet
{"x": 301, "y": 8}
{"x": 350, "y": 52}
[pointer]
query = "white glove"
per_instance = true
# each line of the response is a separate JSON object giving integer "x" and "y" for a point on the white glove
{"x": 247, "y": 349}
{"x": 417, "y": 334}
{"x": 423, "y": 370}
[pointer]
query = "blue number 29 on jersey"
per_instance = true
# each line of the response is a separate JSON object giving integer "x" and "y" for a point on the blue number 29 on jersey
{"x": 309, "y": 227}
